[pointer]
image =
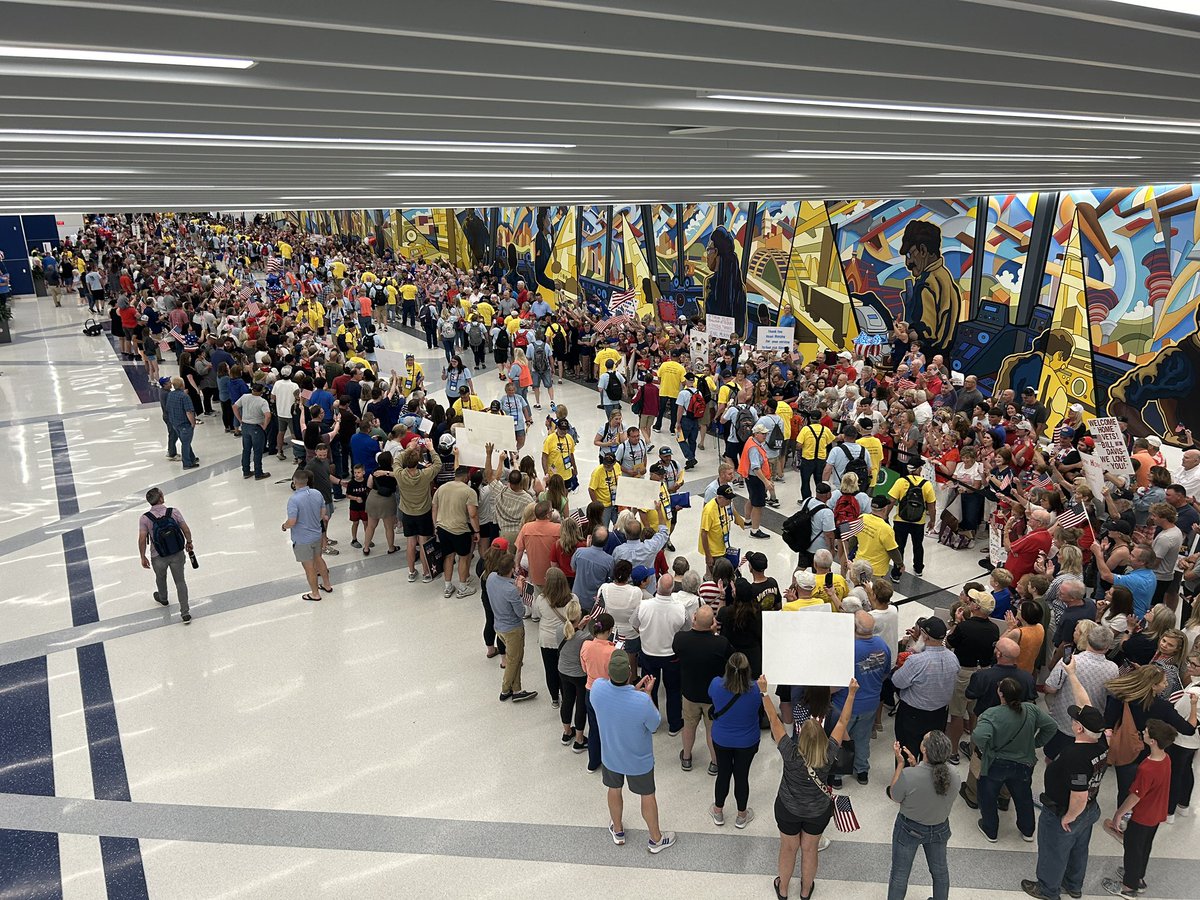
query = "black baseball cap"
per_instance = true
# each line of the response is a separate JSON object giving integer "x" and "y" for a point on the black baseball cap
{"x": 932, "y": 626}
{"x": 1087, "y": 716}
{"x": 725, "y": 491}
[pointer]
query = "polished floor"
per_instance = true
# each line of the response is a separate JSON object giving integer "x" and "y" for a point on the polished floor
{"x": 351, "y": 748}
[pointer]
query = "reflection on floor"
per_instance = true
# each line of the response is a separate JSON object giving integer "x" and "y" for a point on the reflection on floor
{"x": 351, "y": 748}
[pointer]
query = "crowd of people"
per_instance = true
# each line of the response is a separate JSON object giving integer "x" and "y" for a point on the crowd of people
{"x": 1068, "y": 649}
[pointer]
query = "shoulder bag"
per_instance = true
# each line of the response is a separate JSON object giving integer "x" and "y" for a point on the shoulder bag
{"x": 843, "y": 810}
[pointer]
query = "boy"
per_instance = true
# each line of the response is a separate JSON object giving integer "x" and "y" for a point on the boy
{"x": 1146, "y": 807}
{"x": 1001, "y": 585}
{"x": 357, "y": 490}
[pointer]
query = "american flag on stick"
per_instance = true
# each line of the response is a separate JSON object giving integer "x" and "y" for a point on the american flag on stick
{"x": 1075, "y": 515}
{"x": 843, "y": 813}
{"x": 624, "y": 303}
{"x": 246, "y": 292}
{"x": 274, "y": 265}
{"x": 176, "y": 335}
{"x": 610, "y": 324}
{"x": 1043, "y": 481}
{"x": 848, "y": 530}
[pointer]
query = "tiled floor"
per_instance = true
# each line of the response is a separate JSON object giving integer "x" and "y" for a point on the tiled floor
{"x": 353, "y": 748}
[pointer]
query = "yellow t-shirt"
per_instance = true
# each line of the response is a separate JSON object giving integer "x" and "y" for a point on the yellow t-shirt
{"x": 408, "y": 291}
{"x": 351, "y": 340}
{"x": 814, "y": 441}
{"x": 513, "y": 324}
{"x": 715, "y": 523}
{"x": 803, "y": 603}
{"x": 875, "y": 542}
{"x": 411, "y": 374}
{"x": 604, "y": 356}
{"x": 664, "y": 497}
{"x": 874, "y": 448}
{"x": 786, "y": 413}
{"x": 670, "y": 377}
{"x": 900, "y": 488}
{"x": 603, "y": 482}
{"x": 488, "y": 312}
{"x": 837, "y": 587}
{"x": 338, "y": 268}
{"x": 369, "y": 276}
{"x": 285, "y": 249}
{"x": 473, "y": 402}
{"x": 560, "y": 452}
{"x": 556, "y": 330}
{"x": 392, "y": 294}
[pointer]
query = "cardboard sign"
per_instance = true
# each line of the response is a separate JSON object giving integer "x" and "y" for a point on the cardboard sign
{"x": 1110, "y": 446}
{"x": 1093, "y": 471}
{"x": 808, "y": 648}
{"x": 719, "y": 326}
{"x": 996, "y": 552}
{"x": 484, "y": 428}
{"x": 638, "y": 493}
{"x": 772, "y": 338}
{"x": 698, "y": 345}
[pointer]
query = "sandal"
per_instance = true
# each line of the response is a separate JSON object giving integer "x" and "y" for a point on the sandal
{"x": 306, "y": 597}
{"x": 778, "y": 895}
{"x": 393, "y": 550}
{"x": 327, "y": 590}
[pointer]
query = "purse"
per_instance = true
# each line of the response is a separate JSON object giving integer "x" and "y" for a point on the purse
{"x": 843, "y": 762}
{"x": 1126, "y": 744}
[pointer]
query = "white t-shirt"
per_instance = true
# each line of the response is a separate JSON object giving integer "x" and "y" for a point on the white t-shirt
{"x": 284, "y": 393}
{"x": 887, "y": 626}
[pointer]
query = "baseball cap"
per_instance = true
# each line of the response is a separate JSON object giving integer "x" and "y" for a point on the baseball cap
{"x": 409, "y": 356}
{"x": 618, "y": 667}
{"x": 983, "y": 599}
{"x": 846, "y": 354}
{"x": 164, "y": 381}
{"x": 500, "y": 543}
{"x": 725, "y": 491}
{"x": 805, "y": 579}
{"x": 446, "y": 442}
{"x": 823, "y": 487}
{"x": 757, "y": 561}
{"x": 934, "y": 627}
{"x": 608, "y": 456}
{"x": 1067, "y": 431}
{"x": 1087, "y": 716}
{"x": 496, "y": 406}
{"x": 664, "y": 451}
{"x": 640, "y": 574}
{"x": 286, "y": 372}
{"x": 1076, "y": 407}
{"x": 1029, "y": 391}
{"x": 1154, "y": 441}
{"x": 689, "y": 376}
{"x": 464, "y": 390}
{"x": 563, "y": 424}
{"x": 1023, "y": 425}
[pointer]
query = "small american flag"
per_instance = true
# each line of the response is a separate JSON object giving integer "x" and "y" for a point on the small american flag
{"x": 253, "y": 308}
{"x": 849, "y": 529}
{"x": 610, "y": 324}
{"x": 274, "y": 265}
{"x": 623, "y": 303}
{"x": 246, "y": 292}
{"x": 1005, "y": 483}
{"x": 1045, "y": 482}
{"x": 905, "y": 384}
{"x": 1075, "y": 515}
{"x": 176, "y": 335}
{"x": 843, "y": 813}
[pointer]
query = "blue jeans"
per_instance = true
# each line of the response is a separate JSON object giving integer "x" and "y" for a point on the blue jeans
{"x": 860, "y": 729}
{"x": 1063, "y": 855}
{"x": 665, "y": 670}
{"x": 907, "y": 836}
{"x": 254, "y": 439}
{"x": 186, "y": 430}
{"x": 172, "y": 440}
{"x": 691, "y": 431}
{"x": 1018, "y": 778}
{"x": 448, "y": 347}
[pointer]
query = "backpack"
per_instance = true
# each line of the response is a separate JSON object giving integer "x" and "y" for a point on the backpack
{"x": 521, "y": 340}
{"x": 912, "y": 504}
{"x": 448, "y": 330}
{"x": 541, "y": 361}
{"x": 797, "y": 528}
{"x": 614, "y": 390}
{"x": 846, "y": 509}
{"x": 368, "y": 343}
{"x": 775, "y": 438}
{"x": 637, "y": 406}
{"x": 705, "y": 390}
{"x": 743, "y": 424}
{"x": 858, "y": 465}
{"x": 697, "y": 405}
{"x": 502, "y": 339}
{"x": 165, "y": 534}
{"x": 475, "y": 335}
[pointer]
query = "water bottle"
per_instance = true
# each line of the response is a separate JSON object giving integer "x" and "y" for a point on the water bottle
{"x": 192, "y": 556}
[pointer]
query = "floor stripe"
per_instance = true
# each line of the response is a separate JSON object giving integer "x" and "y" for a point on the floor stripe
{"x": 29, "y": 860}
{"x": 76, "y": 414}
{"x": 136, "y": 373}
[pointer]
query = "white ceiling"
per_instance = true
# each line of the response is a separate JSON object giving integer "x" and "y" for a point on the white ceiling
{"x": 931, "y": 98}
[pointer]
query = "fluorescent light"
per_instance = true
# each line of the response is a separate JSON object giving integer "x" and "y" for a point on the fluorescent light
{"x": 174, "y": 137}
{"x": 43, "y": 200}
{"x": 66, "y": 170}
{"x": 898, "y": 154}
{"x": 150, "y": 59}
{"x": 1183, "y": 7}
{"x": 606, "y": 176}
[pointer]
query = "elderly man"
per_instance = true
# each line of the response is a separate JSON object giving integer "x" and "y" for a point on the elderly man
{"x": 640, "y": 551}
{"x": 1023, "y": 553}
{"x": 1094, "y": 670}
{"x": 593, "y": 567}
{"x": 658, "y": 620}
{"x": 1188, "y": 475}
{"x": 969, "y": 395}
{"x": 1078, "y": 608}
{"x": 822, "y": 528}
{"x": 702, "y": 654}
{"x": 872, "y": 662}
{"x": 180, "y": 416}
{"x": 924, "y": 684}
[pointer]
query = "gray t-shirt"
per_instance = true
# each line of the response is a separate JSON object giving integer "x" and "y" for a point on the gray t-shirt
{"x": 919, "y": 801}
{"x": 252, "y": 409}
{"x": 1166, "y": 547}
{"x": 797, "y": 792}
{"x": 568, "y": 651}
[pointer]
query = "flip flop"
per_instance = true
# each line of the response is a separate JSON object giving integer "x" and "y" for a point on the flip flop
{"x": 306, "y": 597}
{"x": 327, "y": 590}
{"x": 778, "y": 895}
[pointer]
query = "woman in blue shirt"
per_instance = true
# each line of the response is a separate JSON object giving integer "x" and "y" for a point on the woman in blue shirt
{"x": 736, "y": 701}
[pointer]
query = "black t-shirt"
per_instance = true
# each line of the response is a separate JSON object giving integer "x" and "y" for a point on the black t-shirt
{"x": 982, "y": 686}
{"x": 702, "y": 656}
{"x": 973, "y": 641}
{"x": 765, "y": 592}
{"x": 357, "y": 492}
{"x": 1078, "y": 767}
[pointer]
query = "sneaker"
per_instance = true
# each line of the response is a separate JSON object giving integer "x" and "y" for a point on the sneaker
{"x": 187, "y": 618}
{"x": 670, "y": 546}
{"x": 617, "y": 836}
{"x": 566, "y": 739}
{"x": 962, "y": 792}
{"x": 263, "y": 477}
{"x": 1171, "y": 819}
{"x": 1030, "y": 887}
{"x": 1074, "y": 895}
{"x": 668, "y": 839}
{"x": 580, "y": 745}
{"x": 964, "y": 747}
{"x": 523, "y": 695}
{"x": 505, "y": 695}
{"x": 823, "y": 844}
{"x": 979, "y": 825}
{"x": 895, "y": 577}
{"x": 554, "y": 704}
{"x": 675, "y": 732}
{"x": 685, "y": 762}
{"x": 425, "y": 579}
{"x": 158, "y": 598}
{"x": 1182, "y": 810}
{"x": 712, "y": 768}
{"x": 357, "y": 545}
{"x": 743, "y": 821}
{"x": 1117, "y": 888}
{"x": 172, "y": 458}
{"x": 760, "y": 534}
{"x": 1027, "y": 838}
{"x": 467, "y": 590}
{"x": 718, "y": 815}
{"x": 835, "y": 781}
{"x": 1121, "y": 875}
{"x": 448, "y": 590}
{"x": 412, "y": 576}
{"x": 863, "y": 778}
{"x": 954, "y": 760}
{"x": 920, "y": 571}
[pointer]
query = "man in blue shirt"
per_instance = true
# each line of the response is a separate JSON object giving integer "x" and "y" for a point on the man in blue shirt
{"x": 872, "y": 663}
{"x": 364, "y": 449}
{"x": 640, "y": 551}
{"x": 181, "y": 417}
{"x": 628, "y": 719}
{"x": 1139, "y": 579}
{"x": 593, "y": 568}
{"x": 306, "y": 519}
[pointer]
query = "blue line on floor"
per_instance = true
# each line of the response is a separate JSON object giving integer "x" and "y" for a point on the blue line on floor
{"x": 145, "y": 391}
{"x": 29, "y": 860}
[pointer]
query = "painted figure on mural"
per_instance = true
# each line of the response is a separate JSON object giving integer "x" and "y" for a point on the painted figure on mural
{"x": 725, "y": 293}
{"x": 1058, "y": 385}
{"x": 1170, "y": 381}
{"x": 933, "y": 303}
{"x": 476, "y": 232}
{"x": 543, "y": 245}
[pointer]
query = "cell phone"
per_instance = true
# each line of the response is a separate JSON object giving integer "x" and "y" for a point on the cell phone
{"x": 1068, "y": 651}
{"x": 620, "y": 645}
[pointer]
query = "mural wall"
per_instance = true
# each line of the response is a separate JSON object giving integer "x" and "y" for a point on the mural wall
{"x": 1090, "y": 296}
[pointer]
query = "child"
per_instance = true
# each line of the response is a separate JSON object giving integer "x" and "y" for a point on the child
{"x": 1146, "y": 807}
{"x": 1001, "y": 587}
{"x": 357, "y": 490}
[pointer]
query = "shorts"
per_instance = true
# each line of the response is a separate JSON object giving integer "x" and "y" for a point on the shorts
{"x": 489, "y": 530}
{"x": 642, "y": 785}
{"x": 358, "y": 515}
{"x": 757, "y": 489}
{"x": 959, "y": 704}
{"x": 572, "y": 483}
{"x": 284, "y": 424}
{"x": 309, "y": 552}
{"x": 458, "y": 544}
{"x": 693, "y": 712}
{"x": 329, "y": 509}
{"x": 543, "y": 379}
{"x": 792, "y": 826}
{"x": 420, "y": 525}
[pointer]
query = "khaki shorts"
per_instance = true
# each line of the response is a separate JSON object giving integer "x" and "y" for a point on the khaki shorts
{"x": 959, "y": 704}
{"x": 693, "y": 713}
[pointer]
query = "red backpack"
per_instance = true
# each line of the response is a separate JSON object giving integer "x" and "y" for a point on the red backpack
{"x": 696, "y": 405}
{"x": 846, "y": 509}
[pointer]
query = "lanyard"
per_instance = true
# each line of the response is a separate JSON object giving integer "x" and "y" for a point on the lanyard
{"x": 723, "y": 516}
{"x": 564, "y": 452}
{"x": 610, "y": 479}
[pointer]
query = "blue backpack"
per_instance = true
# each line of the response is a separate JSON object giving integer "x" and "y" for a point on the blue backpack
{"x": 165, "y": 534}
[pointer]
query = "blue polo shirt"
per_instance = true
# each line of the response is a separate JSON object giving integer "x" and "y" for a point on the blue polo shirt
{"x": 627, "y": 719}
{"x": 1141, "y": 584}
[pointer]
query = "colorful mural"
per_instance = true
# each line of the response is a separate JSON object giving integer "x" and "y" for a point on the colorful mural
{"x": 593, "y": 236}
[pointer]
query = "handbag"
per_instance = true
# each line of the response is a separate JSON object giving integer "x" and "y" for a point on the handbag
{"x": 843, "y": 810}
{"x": 682, "y": 500}
{"x": 1126, "y": 744}
{"x": 714, "y": 713}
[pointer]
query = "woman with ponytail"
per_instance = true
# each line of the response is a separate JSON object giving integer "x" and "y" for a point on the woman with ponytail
{"x": 570, "y": 636}
{"x": 1006, "y": 739}
{"x": 926, "y": 791}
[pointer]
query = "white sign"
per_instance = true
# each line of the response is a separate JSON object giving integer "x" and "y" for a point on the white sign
{"x": 1110, "y": 446}
{"x": 638, "y": 493}
{"x": 808, "y": 648}
{"x": 485, "y": 428}
{"x": 719, "y": 326}
{"x": 699, "y": 345}
{"x": 1093, "y": 471}
{"x": 996, "y": 552}
{"x": 772, "y": 338}
{"x": 470, "y": 453}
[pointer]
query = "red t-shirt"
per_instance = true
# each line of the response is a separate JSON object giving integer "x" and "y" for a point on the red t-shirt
{"x": 1152, "y": 784}
{"x": 1024, "y": 553}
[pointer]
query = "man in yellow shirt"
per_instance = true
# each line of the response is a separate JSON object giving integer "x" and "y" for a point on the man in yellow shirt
{"x": 413, "y": 376}
{"x": 908, "y": 523}
{"x": 512, "y": 324}
{"x": 814, "y": 441}
{"x": 601, "y": 360}
{"x": 558, "y": 454}
{"x": 658, "y": 473}
{"x": 877, "y": 540}
{"x": 603, "y": 484}
{"x": 670, "y": 380}
{"x": 485, "y": 309}
{"x": 706, "y": 384}
{"x": 338, "y": 268}
{"x": 393, "y": 300}
{"x": 408, "y": 309}
{"x": 830, "y": 587}
{"x": 285, "y": 250}
{"x": 716, "y": 521}
{"x": 874, "y": 448}
{"x": 800, "y": 595}
{"x": 466, "y": 400}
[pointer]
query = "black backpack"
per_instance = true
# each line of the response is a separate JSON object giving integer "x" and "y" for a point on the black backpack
{"x": 743, "y": 424}
{"x": 368, "y": 343}
{"x": 775, "y": 438}
{"x": 912, "y": 504}
{"x": 797, "y": 529}
{"x": 858, "y": 465}
{"x": 614, "y": 390}
{"x": 165, "y": 534}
